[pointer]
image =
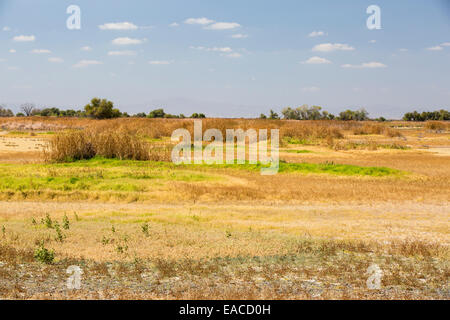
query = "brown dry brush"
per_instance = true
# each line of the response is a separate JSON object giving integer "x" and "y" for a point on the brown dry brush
{"x": 108, "y": 143}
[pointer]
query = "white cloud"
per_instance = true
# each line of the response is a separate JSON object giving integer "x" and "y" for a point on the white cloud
{"x": 174, "y": 25}
{"x": 55, "y": 60}
{"x": 86, "y": 48}
{"x": 118, "y": 26}
{"x": 223, "y": 26}
{"x": 86, "y": 63}
{"x": 316, "y": 60}
{"x": 13, "y": 68}
{"x": 159, "y": 62}
{"x": 122, "y": 53}
{"x": 316, "y": 34}
{"x": 436, "y": 48}
{"x": 373, "y": 41}
{"x": 24, "y": 38}
{"x": 202, "y": 21}
{"x": 367, "y": 65}
{"x": 403, "y": 50}
{"x": 2, "y": 60}
{"x": 329, "y": 47}
{"x": 127, "y": 41}
{"x": 239, "y": 36}
{"x": 41, "y": 51}
{"x": 234, "y": 55}
{"x": 445, "y": 44}
{"x": 6, "y": 29}
{"x": 214, "y": 49}
{"x": 12, "y": 51}
{"x": 311, "y": 89}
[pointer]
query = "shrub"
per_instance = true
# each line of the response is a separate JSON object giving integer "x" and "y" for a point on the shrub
{"x": 44, "y": 255}
{"x": 436, "y": 126}
{"x": 107, "y": 143}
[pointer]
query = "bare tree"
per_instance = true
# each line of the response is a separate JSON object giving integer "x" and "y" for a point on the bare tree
{"x": 27, "y": 109}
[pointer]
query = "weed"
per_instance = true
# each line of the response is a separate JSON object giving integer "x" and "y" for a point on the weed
{"x": 145, "y": 231}
{"x": 66, "y": 222}
{"x": 43, "y": 255}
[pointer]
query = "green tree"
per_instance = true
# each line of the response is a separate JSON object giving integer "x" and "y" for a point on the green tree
{"x": 158, "y": 113}
{"x": 274, "y": 115}
{"x": 101, "y": 109}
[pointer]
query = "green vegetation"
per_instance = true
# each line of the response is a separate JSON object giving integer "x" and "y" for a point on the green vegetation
{"x": 297, "y": 151}
{"x": 441, "y": 115}
{"x": 44, "y": 255}
{"x": 101, "y": 109}
{"x": 125, "y": 176}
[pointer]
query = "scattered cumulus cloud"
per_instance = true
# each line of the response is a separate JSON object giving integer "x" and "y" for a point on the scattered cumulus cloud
{"x": 41, "y": 51}
{"x": 435, "y": 48}
{"x": 55, "y": 60}
{"x": 315, "y": 34}
{"x": 239, "y": 36}
{"x": 118, "y": 26}
{"x": 317, "y": 60}
{"x": 24, "y": 38}
{"x": 127, "y": 41}
{"x": 223, "y": 26}
{"x": 403, "y": 50}
{"x": 13, "y": 68}
{"x": 446, "y": 44}
{"x": 6, "y": 29}
{"x": 159, "y": 62}
{"x": 234, "y": 55}
{"x": 86, "y": 48}
{"x": 201, "y": 21}
{"x": 122, "y": 53}
{"x": 213, "y": 49}
{"x": 329, "y": 47}
{"x": 86, "y": 63}
{"x": 367, "y": 65}
{"x": 373, "y": 41}
{"x": 12, "y": 51}
{"x": 174, "y": 25}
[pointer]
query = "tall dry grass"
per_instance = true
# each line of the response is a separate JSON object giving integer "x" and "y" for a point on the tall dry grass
{"x": 106, "y": 143}
{"x": 437, "y": 126}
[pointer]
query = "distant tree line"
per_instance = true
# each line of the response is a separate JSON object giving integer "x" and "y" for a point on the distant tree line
{"x": 104, "y": 109}
{"x": 441, "y": 115}
{"x": 97, "y": 109}
{"x": 315, "y": 113}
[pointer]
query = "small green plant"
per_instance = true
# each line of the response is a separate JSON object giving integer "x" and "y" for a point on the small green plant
{"x": 76, "y": 217}
{"x": 47, "y": 222}
{"x": 43, "y": 255}
{"x": 59, "y": 235}
{"x": 145, "y": 229}
{"x": 228, "y": 234}
{"x": 122, "y": 246}
{"x": 113, "y": 229}
{"x": 33, "y": 221}
{"x": 4, "y": 231}
{"x": 105, "y": 241}
{"x": 66, "y": 222}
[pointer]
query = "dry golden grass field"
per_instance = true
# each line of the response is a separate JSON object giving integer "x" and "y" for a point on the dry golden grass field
{"x": 104, "y": 196}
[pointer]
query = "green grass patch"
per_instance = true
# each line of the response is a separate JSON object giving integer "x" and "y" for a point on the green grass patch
{"x": 127, "y": 176}
{"x": 297, "y": 151}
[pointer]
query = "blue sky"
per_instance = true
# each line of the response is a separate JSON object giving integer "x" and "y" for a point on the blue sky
{"x": 227, "y": 58}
